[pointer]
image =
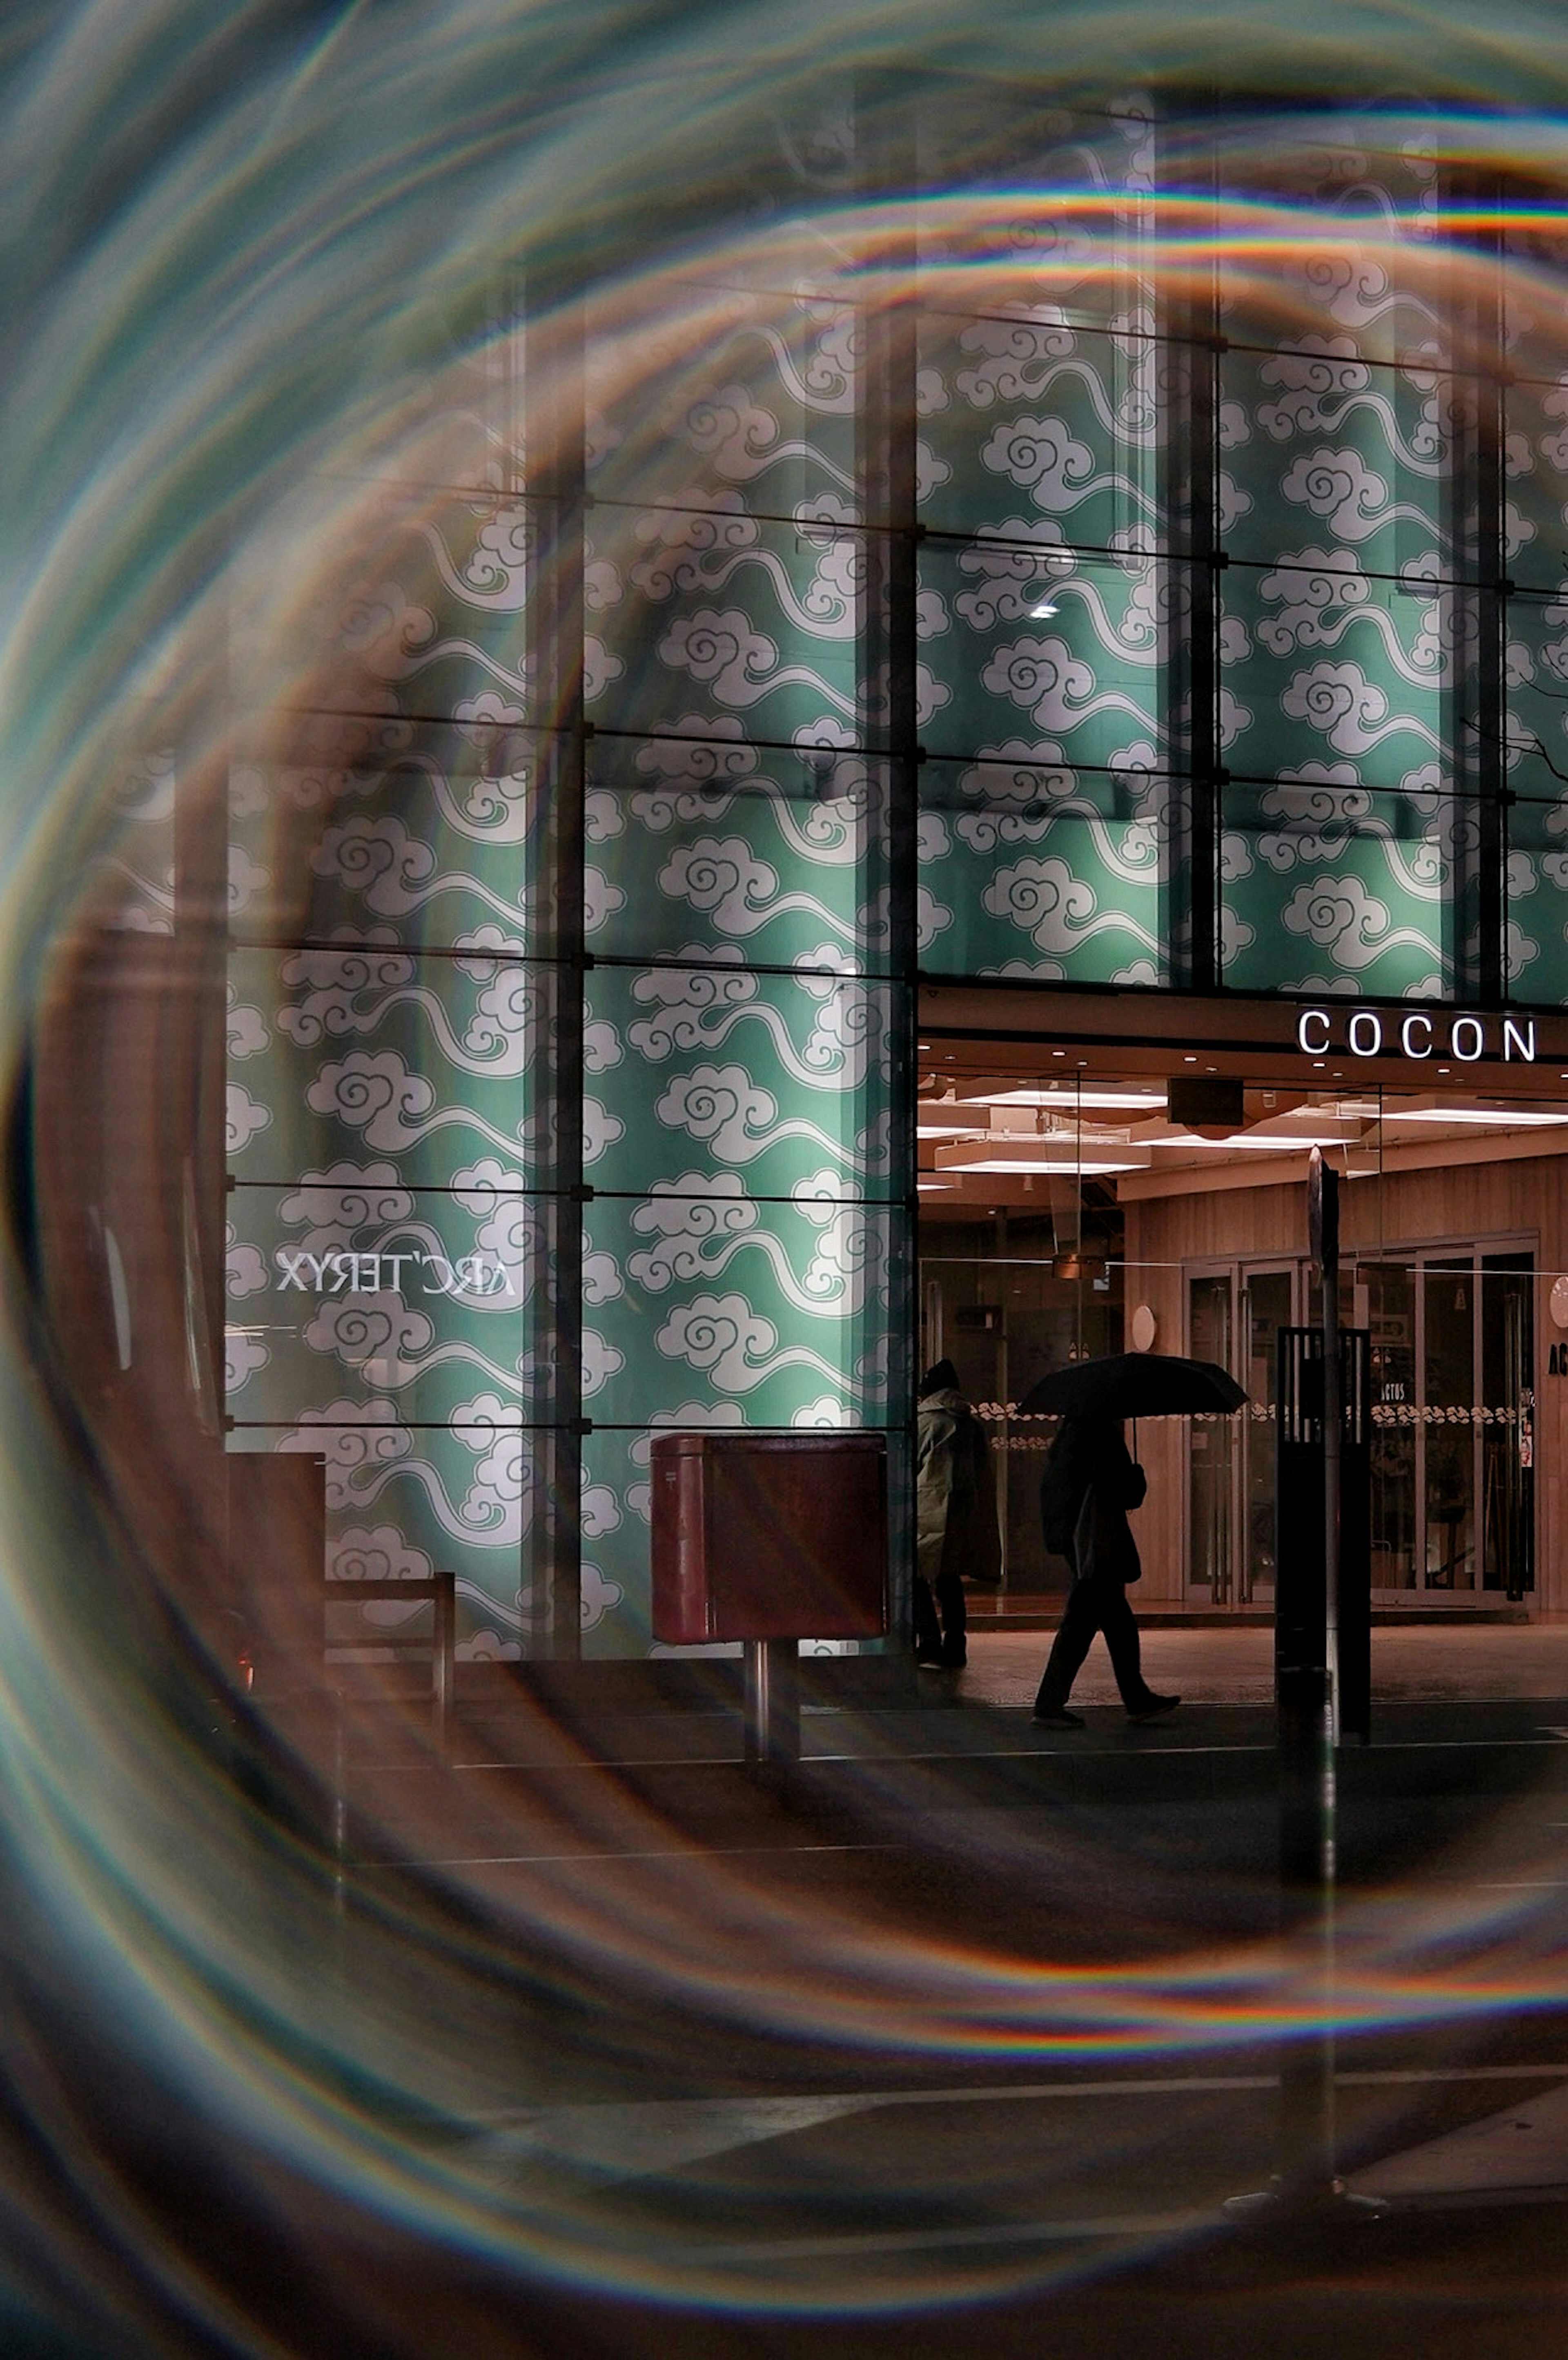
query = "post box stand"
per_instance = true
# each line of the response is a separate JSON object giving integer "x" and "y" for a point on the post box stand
{"x": 769, "y": 1539}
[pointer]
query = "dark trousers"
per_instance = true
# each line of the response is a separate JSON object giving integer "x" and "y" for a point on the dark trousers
{"x": 940, "y": 1620}
{"x": 1093, "y": 1605}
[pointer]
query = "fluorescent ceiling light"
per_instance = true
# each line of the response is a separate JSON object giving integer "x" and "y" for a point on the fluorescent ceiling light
{"x": 1065, "y": 1100}
{"x": 1271, "y": 1142}
{"x": 1508, "y": 1117}
{"x": 1057, "y": 1152}
{"x": 944, "y": 1127}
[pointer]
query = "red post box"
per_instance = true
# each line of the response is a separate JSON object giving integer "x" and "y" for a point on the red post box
{"x": 770, "y": 1536}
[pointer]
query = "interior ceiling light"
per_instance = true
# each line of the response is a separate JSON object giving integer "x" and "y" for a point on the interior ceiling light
{"x": 940, "y": 1121}
{"x": 1508, "y": 1117}
{"x": 1066, "y": 1097}
{"x": 1056, "y": 1151}
{"x": 1266, "y": 1142}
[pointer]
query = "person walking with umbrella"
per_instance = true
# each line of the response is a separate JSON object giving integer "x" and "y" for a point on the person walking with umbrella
{"x": 1091, "y": 1484}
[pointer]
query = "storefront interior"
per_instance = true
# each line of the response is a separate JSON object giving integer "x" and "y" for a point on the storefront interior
{"x": 1083, "y": 1194}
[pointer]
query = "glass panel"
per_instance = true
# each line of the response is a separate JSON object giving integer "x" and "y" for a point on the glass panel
{"x": 1328, "y": 887}
{"x": 704, "y": 624}
{"x": 1340, "y": 462}
{"x": 1371, "y": 282}
{"x": 1536, "y": 448}
{"x": 1449, "y": 1289}
{"x": 696, "y": 845}
{"x": 1268, "y": 1308}
{"x": 1033, "y": 430}
{"x": 1537, "y": 737}
{"x": 1507, "y": 1439}
{"x": 432, "y": 608}
{"x": 781, "y": 1077}
{"x": 1045, "y": 871}
{"x": 1020, "y": 170}
{"x": 351, "y": 1298}
{"x": 1330, "y": 674}
{"x": 709, "y": 1308}
{"x": 1391, "y": 1312}
{"x": 745, "y": 398}
{"x": 1212, "y": 1445}
{"x": 424, "y": 834}
{"x": 1042, "y": 655}
{"x": 416, "y": 1069}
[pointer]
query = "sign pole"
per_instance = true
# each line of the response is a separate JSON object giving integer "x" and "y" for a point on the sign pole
{"x": 1307, "y": 2186}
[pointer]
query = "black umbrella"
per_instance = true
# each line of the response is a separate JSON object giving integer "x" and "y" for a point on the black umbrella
{"x": 1133, "y": 1384}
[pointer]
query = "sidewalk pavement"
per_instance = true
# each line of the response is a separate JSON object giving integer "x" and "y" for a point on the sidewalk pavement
{"x": 1487, "y": 1663}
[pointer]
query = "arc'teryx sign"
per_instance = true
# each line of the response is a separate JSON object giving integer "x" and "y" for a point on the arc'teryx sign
{"x": 382, "y": 1273}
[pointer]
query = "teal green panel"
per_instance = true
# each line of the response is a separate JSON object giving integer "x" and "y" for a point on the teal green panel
{"x": 1005, "y": 165}
{"x": 1339, "y": 461}
{"x": 357, "y": 1297}
{"x": 1037, "y": 431}
{"x": 441, "y": 611}
{"x": 1054, "y": 874}
{"x": 424, "y": 834}
{"x": 710, "y": 1304}
{"x": 1536, "y": 933}
{"x": 751, "y": 406}
{"x": 700, "y": 624}
{"x": 616, "y": 1581}
{"x": 784, "y": 1078}
{"x": 1535, "y": 551}
{"x": 694, "y": 847}
{"x": 1352, "y": 290}
{"x": 1328, "y": 887}
{"x": 1035, "y": 655}
{"x": 403, "y": 1503}
{"x": 139, "y": 853}
{"x": 428, "y": 1067}
{"x": 1536, "y": 671}
{"x": 1330, "y": 675}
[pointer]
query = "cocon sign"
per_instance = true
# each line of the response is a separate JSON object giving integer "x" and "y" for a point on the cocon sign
{"x": 1378, "y": 1033}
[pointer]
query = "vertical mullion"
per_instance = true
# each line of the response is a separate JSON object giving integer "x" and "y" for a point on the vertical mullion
{"x": 1479, "y": 716}
{"x": 553, "y": 375}
{"x": 1190, "y": 320}
{"x": 888, "y": 175}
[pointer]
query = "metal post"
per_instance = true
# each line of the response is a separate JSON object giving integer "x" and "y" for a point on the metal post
{"x": 772, "y": 1705}
{"x": 1307, "y": 2186}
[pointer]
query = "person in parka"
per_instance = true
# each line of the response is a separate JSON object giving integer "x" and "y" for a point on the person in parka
{"x": 955, "y": 1514}
{"x": 1091, "y": 1481}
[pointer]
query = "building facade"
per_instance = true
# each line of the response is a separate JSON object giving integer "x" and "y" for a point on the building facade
{"x": 750, "y": 802}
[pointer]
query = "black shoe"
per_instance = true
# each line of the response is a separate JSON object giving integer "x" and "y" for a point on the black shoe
{"x": 1059, "y": 1719}
{"x": 1154, "y": 1709}
{"x": 930, "y": 1664}
{"x": 953, "y": 1659}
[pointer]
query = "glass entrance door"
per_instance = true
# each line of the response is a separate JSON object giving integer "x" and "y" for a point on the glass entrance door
{"x": 1452, "y": 1409}
{"x": 1234, "y": 1316}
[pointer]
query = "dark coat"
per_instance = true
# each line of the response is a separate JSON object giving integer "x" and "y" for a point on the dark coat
{"x": 1090, "y": 1482}
{"x": 956, "y": 1496}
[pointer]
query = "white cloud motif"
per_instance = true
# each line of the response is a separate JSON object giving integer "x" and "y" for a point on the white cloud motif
{"x": 731, "y": 1342}
{"x": 243, "y": 1118}
{"x": 1340, "y": 703}
{"x": 1044, "y": 459}
{"x": 1339, "y": 487}
{"x": 1045, "y": 899}
{"x": 1044, "y": 675}
{"x": 376, "y": 1553}
{"x": 1339, "y": 915}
